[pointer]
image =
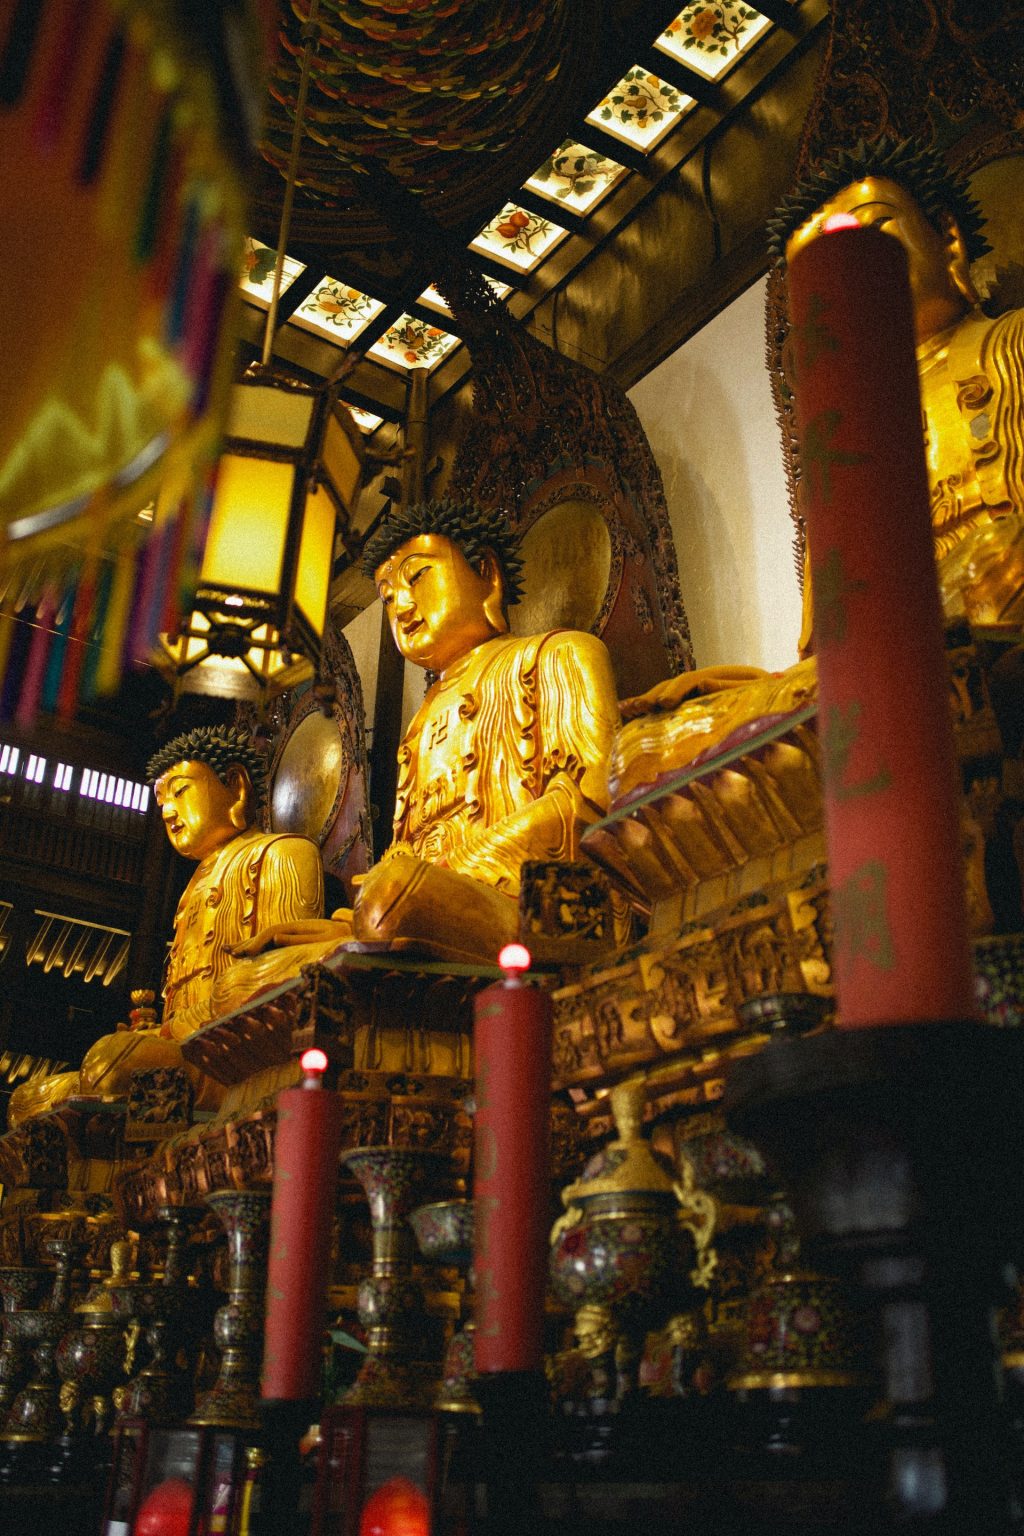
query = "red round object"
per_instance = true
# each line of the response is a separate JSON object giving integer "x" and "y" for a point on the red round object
{"x": 515, "y": 957}
{"x": 166, "y": 1510}
{"x": 396, "y": 1508}
{"x": 313, "y": 1060}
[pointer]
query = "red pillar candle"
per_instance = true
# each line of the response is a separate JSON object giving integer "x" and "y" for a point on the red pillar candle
{"x": 891, "y": 784}
{"x": 511, "y": 1170}
{"x": 306, "y": 1147}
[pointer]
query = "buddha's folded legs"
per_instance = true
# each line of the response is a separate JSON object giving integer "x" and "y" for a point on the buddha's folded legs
{"x": 406, "y": 901}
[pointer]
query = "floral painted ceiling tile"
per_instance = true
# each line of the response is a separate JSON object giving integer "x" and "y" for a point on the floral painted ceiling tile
{"x": 640, "y": 109}
{"x": 576, "y": 176}
{"x": 710, "y": 38}
{"x": 365, "y": 420}
{"x": 337, "y": 310}
{"x": 257, "y": 276}
{"x": 518, "y": 238}
{"x": 412, "y": 343}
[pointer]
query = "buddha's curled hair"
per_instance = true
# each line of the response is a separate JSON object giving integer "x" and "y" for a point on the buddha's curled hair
{"x": 220, "y": 747}
{"x": 473, "y": 529}
{"x": 917, "y": 167}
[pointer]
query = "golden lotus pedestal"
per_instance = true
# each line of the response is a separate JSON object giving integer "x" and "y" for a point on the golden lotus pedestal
{"x": 397, "y": 1030}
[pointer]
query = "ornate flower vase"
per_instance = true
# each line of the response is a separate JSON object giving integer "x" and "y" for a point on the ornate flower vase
{"x": 161, "y": 1392}
{"x": 632, "y": 1249}
{"x": 393, "y": 1374}
{"x": 233, "y": 1401}
{"x": 444, "y": 1231}
{"x": 34, "y": 1416}
{"x": 801, "y": 1377}
{"x": 19, "y": 1289}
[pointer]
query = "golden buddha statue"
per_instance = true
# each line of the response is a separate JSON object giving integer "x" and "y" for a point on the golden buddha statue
{"x": 208, "y": 785}
{"x": 971, "y": 367}
{"x": 505, "y": 760}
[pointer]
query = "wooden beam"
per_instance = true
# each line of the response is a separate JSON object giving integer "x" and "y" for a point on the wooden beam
{"x": 547, "y": 208}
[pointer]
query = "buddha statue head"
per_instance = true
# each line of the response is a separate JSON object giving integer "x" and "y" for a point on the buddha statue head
{"x": 208, "y": 784}
{"x": 907, "y": 190}
{"x": 446, "y": 573}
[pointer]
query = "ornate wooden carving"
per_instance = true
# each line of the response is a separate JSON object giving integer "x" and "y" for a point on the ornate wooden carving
{"x": 546, "y": 430}
{"x": 159, "y": 1104}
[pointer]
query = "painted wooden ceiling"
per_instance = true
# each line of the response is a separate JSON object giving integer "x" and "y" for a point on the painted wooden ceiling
{"x": 530, "y": 131}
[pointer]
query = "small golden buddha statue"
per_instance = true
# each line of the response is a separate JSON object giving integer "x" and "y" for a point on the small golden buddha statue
{"x": 208, "y": 785}
{"x": 506, "y": 758}
{"x": 971, "y": 367}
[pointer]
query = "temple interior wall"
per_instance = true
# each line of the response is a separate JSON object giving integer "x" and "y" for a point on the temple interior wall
{"x": 708, "y": 413}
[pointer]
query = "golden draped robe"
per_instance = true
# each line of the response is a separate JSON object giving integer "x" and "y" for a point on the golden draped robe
{"x": 253, "y": 882}
{"x": 505, "y": 760}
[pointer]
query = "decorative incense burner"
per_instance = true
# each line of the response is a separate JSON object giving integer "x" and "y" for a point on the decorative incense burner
{"x": 91, "y": 1354}
{"x": 161, "y": 1391}
{"x": 633, "y": 1247}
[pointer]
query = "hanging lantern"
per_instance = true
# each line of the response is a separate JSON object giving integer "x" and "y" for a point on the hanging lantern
{"x": 290, "y": 471}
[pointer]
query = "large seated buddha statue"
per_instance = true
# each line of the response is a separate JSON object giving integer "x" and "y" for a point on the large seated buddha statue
{"x": 971, "y": 366}
{"x": 505, "y": 760}
{"x": 208, "y": 785}
{"x": 971, "y": 369}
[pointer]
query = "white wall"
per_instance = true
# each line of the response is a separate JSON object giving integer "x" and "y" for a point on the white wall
{"x": 363, "y": 635}
{"x": 708, "y": 413}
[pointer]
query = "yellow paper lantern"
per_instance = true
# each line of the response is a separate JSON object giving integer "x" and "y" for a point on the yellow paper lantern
{"x": 291, "y": 469}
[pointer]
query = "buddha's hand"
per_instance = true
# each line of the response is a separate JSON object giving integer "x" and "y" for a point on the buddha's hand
{"x": 315, "y": 930}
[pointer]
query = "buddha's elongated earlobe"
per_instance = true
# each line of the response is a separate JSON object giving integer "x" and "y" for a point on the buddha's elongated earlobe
{"x": 240, "y": 813}
{"x": 494, "y": 601}
{"x": 959, "y": 262}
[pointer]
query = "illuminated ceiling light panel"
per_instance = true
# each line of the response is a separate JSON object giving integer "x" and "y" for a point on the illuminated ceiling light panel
{"x": 257, "y": 279}
{"x": 411, "y": 343}
{"x": 710, "y": 38}
{"x": 576, "y": 176}
{"x": 365, "y": 420}
{"x": 641, "y": 109}
{"x": 518, "y": 238}
{"x": 337, "y": 310}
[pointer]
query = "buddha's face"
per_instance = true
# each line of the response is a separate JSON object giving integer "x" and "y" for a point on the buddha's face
{"x": 438, "y": 605}
{"x": 933, "y": 257}
{"x": 196, "y": 807}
